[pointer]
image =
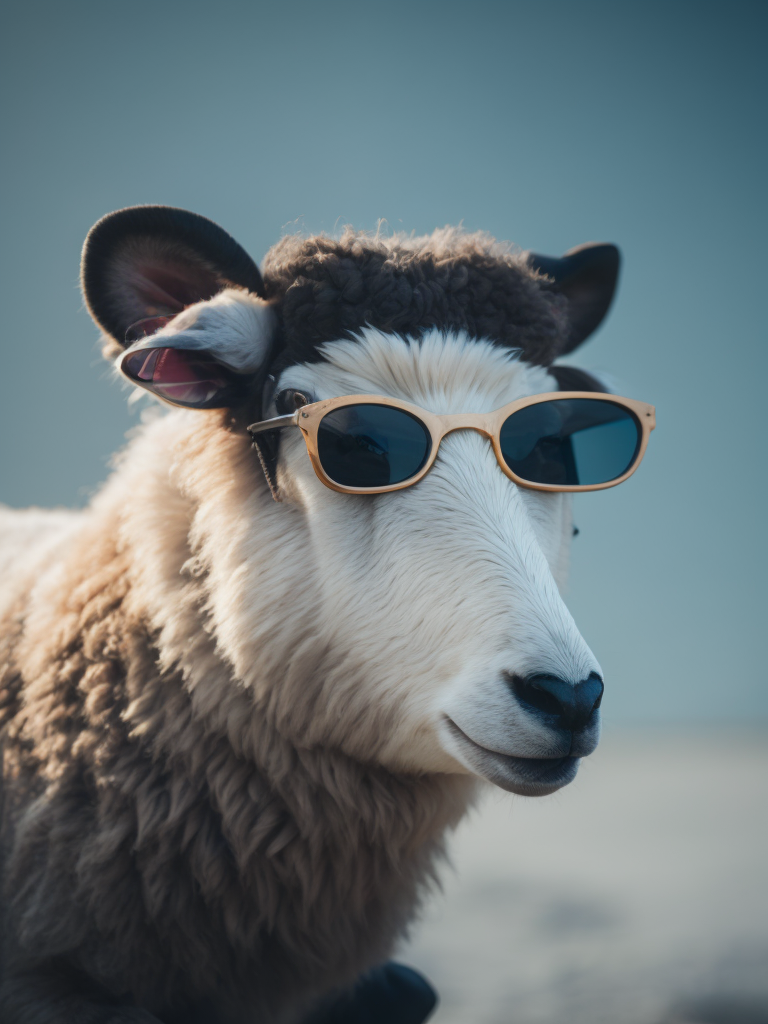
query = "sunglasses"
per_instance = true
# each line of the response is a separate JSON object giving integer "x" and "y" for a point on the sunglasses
{"x": 368, "y": 444}
{"x": 559, "y": 441}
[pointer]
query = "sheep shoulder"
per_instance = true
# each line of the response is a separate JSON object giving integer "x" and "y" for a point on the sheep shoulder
{"x": 146, "y": 853}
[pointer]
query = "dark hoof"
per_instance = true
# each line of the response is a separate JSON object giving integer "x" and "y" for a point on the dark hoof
{"x": 392, "y": 994}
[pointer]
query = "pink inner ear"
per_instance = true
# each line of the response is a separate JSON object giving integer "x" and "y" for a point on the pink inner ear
{"x": 148, "y": 366}
{"x": 180, "y": 376}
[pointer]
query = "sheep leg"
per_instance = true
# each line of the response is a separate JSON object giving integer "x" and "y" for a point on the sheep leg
{"x": 55, "y": 993}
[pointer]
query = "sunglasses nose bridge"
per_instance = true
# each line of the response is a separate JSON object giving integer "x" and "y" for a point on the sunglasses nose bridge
{"x": 467, "y": 421}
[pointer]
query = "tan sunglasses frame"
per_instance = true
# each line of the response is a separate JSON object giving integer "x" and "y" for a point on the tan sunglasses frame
{"x": 309, "y": 417}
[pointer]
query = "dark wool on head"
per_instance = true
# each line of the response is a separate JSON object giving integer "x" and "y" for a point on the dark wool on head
{"x": 226, "y": 722}
{"x": 328, "y": 289}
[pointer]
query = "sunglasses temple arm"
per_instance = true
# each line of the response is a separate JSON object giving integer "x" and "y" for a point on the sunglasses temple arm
{"x": 265, "y": 446}
{"x": 276, "y": 423}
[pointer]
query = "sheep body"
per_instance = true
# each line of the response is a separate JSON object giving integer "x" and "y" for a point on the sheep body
{"x": 168, "y": 844}
{"x": 226, "y": 777}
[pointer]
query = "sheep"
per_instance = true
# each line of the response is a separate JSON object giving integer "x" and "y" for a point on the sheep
{"x": 237, "y": 730}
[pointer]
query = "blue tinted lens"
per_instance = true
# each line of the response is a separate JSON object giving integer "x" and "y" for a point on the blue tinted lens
{"x": 570, "y": 441}
{"x": 372, "y": 445}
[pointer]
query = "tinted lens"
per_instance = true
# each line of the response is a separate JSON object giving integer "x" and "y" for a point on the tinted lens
{"x": 570, "y": 441}
{"x": 182, "y": 377}
{"x": 372, "y": 445}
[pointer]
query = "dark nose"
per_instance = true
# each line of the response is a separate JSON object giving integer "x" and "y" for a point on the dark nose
{"x": 566, "y": 705}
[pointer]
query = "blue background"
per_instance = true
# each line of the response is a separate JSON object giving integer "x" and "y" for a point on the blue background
{"x": 546, "y": 124}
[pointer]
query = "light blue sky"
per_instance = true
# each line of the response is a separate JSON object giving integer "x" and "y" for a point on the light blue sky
{"x": 549, "y": 124}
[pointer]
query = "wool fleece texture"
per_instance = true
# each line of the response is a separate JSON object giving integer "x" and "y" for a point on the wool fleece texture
{"x": 224, "y": 795}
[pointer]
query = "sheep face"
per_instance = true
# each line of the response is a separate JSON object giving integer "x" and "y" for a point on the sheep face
{"x": 428, "y": 604}
{"x": 422, "y": 629}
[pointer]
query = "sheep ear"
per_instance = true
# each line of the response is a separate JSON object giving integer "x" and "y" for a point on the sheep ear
{"x": 149, "y": 261}
{"x": 587, "y": 277}
{"x": 571, "y": 378}
{"x": 211, "y": 355}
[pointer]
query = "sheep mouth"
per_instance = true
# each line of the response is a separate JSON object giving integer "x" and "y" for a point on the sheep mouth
{"x": 526, "y": 776}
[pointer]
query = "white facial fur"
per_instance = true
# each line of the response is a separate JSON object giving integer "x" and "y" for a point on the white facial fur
{"x": 387, "y": 626}
{"x": 439, "y": 590}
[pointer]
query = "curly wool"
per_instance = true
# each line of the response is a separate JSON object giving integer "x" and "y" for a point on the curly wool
{"x": 326, "y": 289}
{"x": 146, "y": 856}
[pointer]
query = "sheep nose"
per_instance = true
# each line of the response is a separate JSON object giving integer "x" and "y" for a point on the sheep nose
{"x": 565, "y": 705}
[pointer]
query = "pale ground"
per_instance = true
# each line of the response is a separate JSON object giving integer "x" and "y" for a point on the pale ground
{"x": 637, "y": 895}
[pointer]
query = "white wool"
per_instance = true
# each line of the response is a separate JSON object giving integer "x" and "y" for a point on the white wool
{"x": 398, "y": 613}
